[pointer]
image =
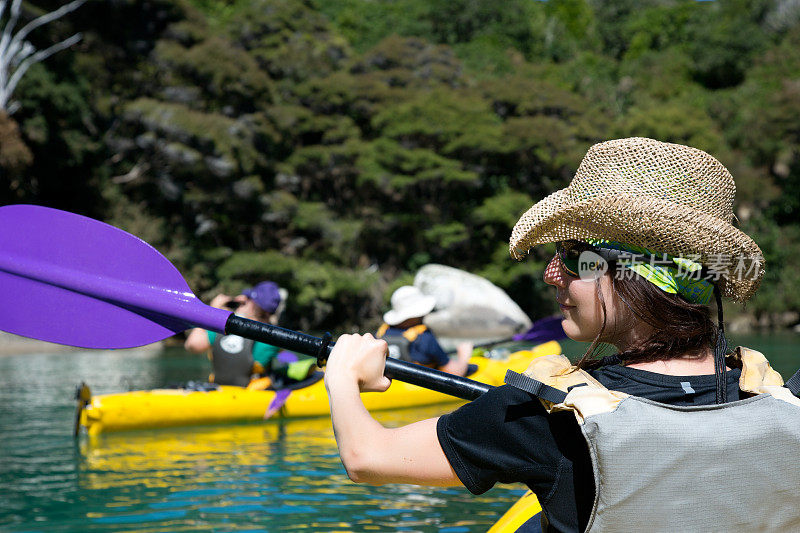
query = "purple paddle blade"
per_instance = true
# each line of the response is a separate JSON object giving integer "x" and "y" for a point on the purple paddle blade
{"x": 72, "y": 280}
{"x": 69, "y": 279}
{"x": 543, "y": 330}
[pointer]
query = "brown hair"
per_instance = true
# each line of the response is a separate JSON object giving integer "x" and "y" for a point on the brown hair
{"x": 679, "y": 328}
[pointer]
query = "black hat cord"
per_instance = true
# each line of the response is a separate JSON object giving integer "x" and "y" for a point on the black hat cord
{"x": 720, "y": 350}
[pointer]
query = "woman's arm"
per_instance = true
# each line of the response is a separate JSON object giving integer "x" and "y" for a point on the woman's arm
{"x": 370, "y": 452}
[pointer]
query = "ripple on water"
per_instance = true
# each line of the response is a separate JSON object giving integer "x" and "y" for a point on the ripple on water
{"x": 138, "y": 517}
{"x": 278, "y": 476}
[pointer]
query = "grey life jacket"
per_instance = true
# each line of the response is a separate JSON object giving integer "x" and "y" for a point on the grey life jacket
{"x": 232, "y": 360}
{"x": 659, "y": 467}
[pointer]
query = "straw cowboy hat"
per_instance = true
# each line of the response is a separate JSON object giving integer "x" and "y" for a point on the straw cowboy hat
{"x": 408, "y": 302}
{"x": 665, "y": 197}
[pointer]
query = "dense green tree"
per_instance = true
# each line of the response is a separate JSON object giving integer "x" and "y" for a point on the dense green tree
{"x": 365, "y": 24}
{"x": 460, "y": 21}
{"x": 290, "y": 40}
{"x": 58, "y": 127}
{"x": 724, "y": 39}
{"x": 760, "y": 120}
{"x": 338, "y": 146}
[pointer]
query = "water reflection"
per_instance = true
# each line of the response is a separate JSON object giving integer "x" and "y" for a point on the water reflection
{"x": 186, "y": 456}
{"x": 277, "y": 476}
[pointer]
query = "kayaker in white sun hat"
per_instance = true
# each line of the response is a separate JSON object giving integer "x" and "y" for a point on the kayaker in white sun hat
{"x": 411, "y": 340}
{"x": 674, "y": 432}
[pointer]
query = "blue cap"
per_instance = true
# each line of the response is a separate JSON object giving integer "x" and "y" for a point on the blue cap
{"x": 266, "y": 295}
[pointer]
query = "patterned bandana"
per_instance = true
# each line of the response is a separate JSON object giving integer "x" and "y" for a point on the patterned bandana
{"x": 675, "y": 275}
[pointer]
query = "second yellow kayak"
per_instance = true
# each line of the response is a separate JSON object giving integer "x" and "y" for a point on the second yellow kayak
{"x": 180, "y": 407}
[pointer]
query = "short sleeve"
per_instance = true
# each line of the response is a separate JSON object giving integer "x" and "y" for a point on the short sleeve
{"x": 504, "y": 436}
{"x": 426, "y": 350}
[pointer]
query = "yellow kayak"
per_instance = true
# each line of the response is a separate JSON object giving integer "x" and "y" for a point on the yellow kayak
{"x": 180, "y": 407}
{"x": 519, "y": 513}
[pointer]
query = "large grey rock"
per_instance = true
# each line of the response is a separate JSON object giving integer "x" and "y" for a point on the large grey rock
{"x": 468, "y": 307}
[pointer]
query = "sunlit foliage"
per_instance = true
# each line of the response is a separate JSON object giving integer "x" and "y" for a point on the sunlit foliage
{"x": 336, "y": 146}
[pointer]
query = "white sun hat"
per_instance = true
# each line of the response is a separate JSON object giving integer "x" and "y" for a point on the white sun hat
{"x": 408, "y": 302}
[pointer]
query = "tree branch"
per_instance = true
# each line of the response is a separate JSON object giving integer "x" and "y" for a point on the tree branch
{"x": 16, "y": 54}
{"x": 2, "y": 7}
{"x": 35, "y": 58}
{"x": 8, "y": 29}
{"x": 47, "y": 17}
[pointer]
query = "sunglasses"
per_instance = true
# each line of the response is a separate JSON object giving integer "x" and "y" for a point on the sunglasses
{"x": 569, "y": 255}
{"x": 233, "y": 304}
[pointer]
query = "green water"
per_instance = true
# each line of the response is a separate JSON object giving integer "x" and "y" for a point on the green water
{"x": 276, "y": 476}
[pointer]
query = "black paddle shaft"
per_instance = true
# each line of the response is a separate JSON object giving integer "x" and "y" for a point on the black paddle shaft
{"x": 419, "y": 375}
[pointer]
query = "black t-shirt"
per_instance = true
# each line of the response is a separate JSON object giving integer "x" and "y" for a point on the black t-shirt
{"x": 506, "y": 436}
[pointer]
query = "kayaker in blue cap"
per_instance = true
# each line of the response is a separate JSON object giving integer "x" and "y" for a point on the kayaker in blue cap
{"x": 236, "y": 360}
{"x": 673, "y": 432}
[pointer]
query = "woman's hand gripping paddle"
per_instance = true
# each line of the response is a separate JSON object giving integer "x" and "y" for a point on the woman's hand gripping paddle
{"x": 69, "y": 279}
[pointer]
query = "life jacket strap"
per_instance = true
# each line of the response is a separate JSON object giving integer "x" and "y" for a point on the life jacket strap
{"x": 410, "y": 334}
{"x": 535, "y": 387}
{"x": 793, "y": 384}
{"x": 413, "y": 332}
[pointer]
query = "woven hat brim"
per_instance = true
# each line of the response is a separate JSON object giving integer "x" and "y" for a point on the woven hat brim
{"x": 660, "y": 225}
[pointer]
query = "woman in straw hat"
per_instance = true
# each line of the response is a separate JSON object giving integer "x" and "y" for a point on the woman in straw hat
{"x": 670, "y": 433}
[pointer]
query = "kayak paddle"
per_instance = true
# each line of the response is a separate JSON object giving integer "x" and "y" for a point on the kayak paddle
{"x": 73, "y": 280}
{"x": 543, "y": 330}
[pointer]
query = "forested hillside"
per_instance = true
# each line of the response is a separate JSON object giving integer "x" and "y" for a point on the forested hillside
{"x": 335, "y": 146}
